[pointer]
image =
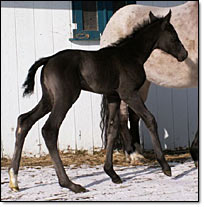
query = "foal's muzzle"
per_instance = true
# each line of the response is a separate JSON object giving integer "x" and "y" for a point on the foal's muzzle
{"x": 183, "y": 55}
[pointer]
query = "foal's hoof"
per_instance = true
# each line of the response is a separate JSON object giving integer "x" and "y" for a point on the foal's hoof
{"x": 167, "y": 172}
{"x": 117, "y": 180}
{"x": 77, "y": 188}
{"x": 14, "y": 189}
{"x": 13, "y": 183}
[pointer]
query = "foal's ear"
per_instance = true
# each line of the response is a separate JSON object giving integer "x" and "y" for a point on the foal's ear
{"x": 168, "y": 16}
{"x": 166, "y": 19}
{"x": 152, "y": 17}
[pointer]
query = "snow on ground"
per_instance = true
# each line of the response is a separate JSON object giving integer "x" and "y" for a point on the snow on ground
{"x": 140, "y": 183}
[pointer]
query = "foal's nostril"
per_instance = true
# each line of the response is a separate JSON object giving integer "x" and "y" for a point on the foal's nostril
{"x": 183, "y": 56}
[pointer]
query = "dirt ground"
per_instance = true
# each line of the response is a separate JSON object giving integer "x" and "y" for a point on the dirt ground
{"x": 79, "y": 158}
{"x": 144, "y": 181}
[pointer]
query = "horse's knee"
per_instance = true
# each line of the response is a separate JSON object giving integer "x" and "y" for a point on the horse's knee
{"x": 23, "y": 124}
{"x": 151, "y": 123}
{"x": 20, "y": 120}
{"x": 112, "y": 132}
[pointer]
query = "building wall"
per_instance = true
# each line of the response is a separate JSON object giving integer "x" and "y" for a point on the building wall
{"x": 34, "y": 29}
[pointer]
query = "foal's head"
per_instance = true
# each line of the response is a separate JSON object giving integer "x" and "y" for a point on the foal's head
{"x": 168, "y": 40}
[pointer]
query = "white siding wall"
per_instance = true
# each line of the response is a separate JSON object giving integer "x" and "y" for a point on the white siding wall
{"x": 31, "y": 30}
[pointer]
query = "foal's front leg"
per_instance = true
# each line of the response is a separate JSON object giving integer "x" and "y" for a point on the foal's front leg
{"x": 136, "y": 104}
{"x": 113, "y": 125}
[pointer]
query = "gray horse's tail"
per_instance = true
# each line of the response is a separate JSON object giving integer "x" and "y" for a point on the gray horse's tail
{"x": 30, "y": 80}
{"x": 104, "y": 126}
{"x": 104, "y": 119}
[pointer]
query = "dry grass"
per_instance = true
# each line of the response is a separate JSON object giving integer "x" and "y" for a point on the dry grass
{"x": 79, "y": 158}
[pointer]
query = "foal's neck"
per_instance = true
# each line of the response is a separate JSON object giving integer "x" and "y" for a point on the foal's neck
{"x": 144, "y": 43}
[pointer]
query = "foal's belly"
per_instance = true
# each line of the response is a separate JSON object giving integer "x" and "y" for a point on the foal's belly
{"x": 98, "y": 84}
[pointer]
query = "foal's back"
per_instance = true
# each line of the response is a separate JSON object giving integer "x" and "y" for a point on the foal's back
{"x": 95, "y": 71}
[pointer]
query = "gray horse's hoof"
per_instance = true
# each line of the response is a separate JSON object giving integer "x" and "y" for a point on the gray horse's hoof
{"x": 196, "y": 164}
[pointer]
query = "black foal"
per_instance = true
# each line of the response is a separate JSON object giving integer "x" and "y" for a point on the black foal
{"x": 116, "y": 71}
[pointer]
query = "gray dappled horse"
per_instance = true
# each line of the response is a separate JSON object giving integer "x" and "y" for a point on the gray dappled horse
{"x": 160, "y": 68}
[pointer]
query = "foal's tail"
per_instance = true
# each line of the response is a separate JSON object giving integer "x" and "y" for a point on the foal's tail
{"x": 30, "y": 81}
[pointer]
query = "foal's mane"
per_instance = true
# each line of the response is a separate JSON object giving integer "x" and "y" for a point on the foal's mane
{"x": 136, "y": 31}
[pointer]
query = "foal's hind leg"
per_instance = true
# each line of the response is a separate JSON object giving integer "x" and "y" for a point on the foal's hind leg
{"x": 113, "y": 124}
{"x": 25, "y": 122}
{"x": 50, "y": 133}
{"x": 137, "y": 105}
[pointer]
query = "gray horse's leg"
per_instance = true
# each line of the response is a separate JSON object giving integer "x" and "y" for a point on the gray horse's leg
{"x": 194, "y": 149}
{"x": 25, "y": 122}
{"x": 113, "y": 125}
{"x": 137, "y": 154}
{"x": 132, "y": 135}
{"x": 137, "y": 105}
{"x": 124, "y": 131}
